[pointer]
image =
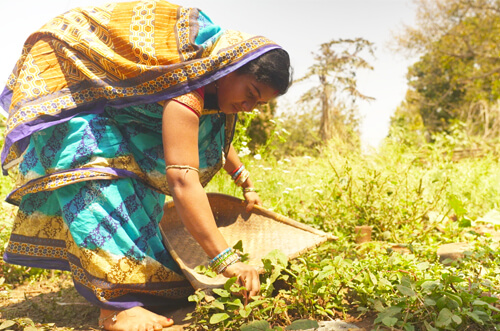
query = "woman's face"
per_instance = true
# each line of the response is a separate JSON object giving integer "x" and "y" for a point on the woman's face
{"x": 241, "y": 92}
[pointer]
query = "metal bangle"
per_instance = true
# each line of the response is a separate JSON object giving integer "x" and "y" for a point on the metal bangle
{"x": 182, "y": 167}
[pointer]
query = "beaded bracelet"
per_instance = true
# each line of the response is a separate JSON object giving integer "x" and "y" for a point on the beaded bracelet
{"x": 242, "y": 178}
{"x": 221, "y": 257}
{"x": 237, "y": 172}
{"x": 231, "y": 259}
{"x": 224, "y": 260}
{"x": 212, "y": 261}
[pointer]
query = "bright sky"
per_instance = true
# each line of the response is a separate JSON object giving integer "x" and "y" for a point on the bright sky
{"x": 299, "y": 26}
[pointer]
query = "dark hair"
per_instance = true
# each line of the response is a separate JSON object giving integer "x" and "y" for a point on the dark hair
{"x": 271, "y": 68}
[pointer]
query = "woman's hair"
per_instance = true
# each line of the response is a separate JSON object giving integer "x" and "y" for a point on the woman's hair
{"x": 271, "y": 68}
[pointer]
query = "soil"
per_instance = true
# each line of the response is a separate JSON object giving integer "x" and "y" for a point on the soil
{"x": 54, "y": 304}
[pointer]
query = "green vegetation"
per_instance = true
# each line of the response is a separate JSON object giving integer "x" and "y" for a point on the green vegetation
{"x": 435, "y": 180}
{"x": 456, "y": 75}
{"x": 416, "y": 198}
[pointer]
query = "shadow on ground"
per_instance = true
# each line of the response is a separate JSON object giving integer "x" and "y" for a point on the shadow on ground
{"x": 51, "y": 303}
{"x": 54, "y": 304}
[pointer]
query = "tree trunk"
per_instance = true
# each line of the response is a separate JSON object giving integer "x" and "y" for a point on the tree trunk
{"x": 325, "y": 130}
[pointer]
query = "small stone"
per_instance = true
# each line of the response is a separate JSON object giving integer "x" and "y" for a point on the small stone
{"x": 453, "y": 251}
{"x": 401, "y": 249}
{"x": 363, "y": 233}
{"x": 337, "y": 326}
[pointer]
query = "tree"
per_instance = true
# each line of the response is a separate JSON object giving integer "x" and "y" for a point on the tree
{"x": 457, "y": 76}
{"x": 336, "y": 65}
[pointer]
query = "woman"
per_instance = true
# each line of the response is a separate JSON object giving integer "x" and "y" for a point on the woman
{"x": 111, "y": 109}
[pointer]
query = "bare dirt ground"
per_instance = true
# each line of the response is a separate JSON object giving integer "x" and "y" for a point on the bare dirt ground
{"x": 54, "y": 304}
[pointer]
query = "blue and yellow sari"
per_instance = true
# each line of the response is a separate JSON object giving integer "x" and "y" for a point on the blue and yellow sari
{"x": 84, "y": 130}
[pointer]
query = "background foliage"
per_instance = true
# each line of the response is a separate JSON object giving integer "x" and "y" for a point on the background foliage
{"x": 434, "y": 180}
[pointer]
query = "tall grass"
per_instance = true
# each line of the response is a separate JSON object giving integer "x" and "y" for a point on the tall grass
{"x": 398, "y": 192}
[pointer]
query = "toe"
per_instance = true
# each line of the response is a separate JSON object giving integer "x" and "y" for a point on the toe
{"x": 167, "y": 322}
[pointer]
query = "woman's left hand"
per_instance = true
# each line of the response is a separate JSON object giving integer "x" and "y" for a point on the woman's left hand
{"x": 252, "y": 198}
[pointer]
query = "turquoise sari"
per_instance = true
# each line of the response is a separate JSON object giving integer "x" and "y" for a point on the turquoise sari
{"x": 84, "y": 129}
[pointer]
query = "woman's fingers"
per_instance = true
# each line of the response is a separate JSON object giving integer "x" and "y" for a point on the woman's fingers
{"x": 250, "y": 205}
{"x": 252, "y": 198}
{"x": 255, "y": 286}
{"x": 247, "y": 277}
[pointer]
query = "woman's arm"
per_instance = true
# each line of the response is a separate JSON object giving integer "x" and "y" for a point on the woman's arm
{"x": 180, "y": 141}
{"x": 233, "y": 162}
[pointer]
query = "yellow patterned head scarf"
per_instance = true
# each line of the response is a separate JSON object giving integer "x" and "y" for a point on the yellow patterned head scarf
{"x": 118, "y": 55}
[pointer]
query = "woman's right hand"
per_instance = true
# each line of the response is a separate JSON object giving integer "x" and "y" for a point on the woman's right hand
{"x": 247, "y": 276}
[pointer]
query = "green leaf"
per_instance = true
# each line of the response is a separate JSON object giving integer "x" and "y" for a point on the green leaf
{"x": 303, "y": 325}
{"x": 217, "y": 304}
{"x": 475, "y": 317}
{"x": 256, "y": 326}
{"x": 30, "y": 328}
{"x": 373, "y": 278}
{"x": 221, "y": 292}
{"x": 389, "y": 321}
{"x": 388, "y": 312}
{"x": 479, "y": 302}
{"x": 378, "y": 306}
{"x": 384, "y": 282}
{"x": 406, "y": 290}
{"x": 465, "y": 222}
{"x": 456, "y": 319}
{"x": 239, "y": 246}
{"x": 409, "y": 327}
{"x": 406, "y": 281}
{"x": 444, "y": 318}
{"x": 235, "y": 303}
{"x": 423, "y": 266}
{"x": 455, "y": 298}
{"x": 441, "y": 303}
{"x": 277, "y": 257}
{"x": 455, "y": 279}
{"x": 430, "y": 285}
{"x": 245, "y": 312}
{"x": 203, "y": 270}
{"x": 229, "y": 283}
{"x": 429, "y": 302}
{"x": 490, "y": 299}
{"x": 429, "y": 327}
{"x": 493, "y": 308}
{"x": 217, "y": 318}
{"x": 6, "y": 324}
{"x": 255, "y": 303}
{"x": 457, "y": 205}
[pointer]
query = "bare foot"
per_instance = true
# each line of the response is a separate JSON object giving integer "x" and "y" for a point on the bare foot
{"x": 133, "y": 319}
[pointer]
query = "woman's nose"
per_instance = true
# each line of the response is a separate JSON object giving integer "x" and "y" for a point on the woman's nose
{"x": 248, "y": 106}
